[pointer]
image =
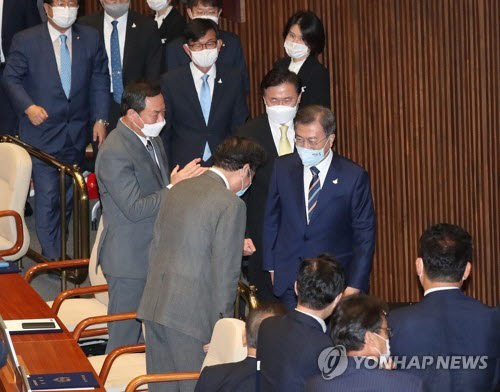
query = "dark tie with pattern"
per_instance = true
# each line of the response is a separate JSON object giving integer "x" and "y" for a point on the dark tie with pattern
{"x": 151, "y": 151}
{"x": 314, "y": 189}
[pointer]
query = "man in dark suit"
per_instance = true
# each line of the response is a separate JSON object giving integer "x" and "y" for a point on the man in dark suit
{"x": 239, "y": 376}
{"x": 231, "y": 53}
{"x": 57, "y": 81}
{"x": 447, "y": 322}
{"x": 318, "y": 202}
{"x": 14, "y": 16}
{"x": 195, "y": 261}
{"x": 133, "y": 47}
{"x": 204, "y": 101}
{"x": 289, "y": 346}
{"x": 133, "y": 177}
{"x": 274, "y": 131}
{"x": 361, "y": 356}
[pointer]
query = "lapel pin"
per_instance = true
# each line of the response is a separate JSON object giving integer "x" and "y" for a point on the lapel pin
{"x": 220, "y": 81}
{"x": 163, "y": 40}
{"x": 133, "y": 25}
{"x": 336, "y": 181}
{"x": 77, "y": 37}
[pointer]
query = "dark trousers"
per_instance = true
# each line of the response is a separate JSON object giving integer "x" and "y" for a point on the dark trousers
{"x": 48, "y": 201}
{"x": 8, "y": 118}
{"x": 260, "y": 279}
{"x": 289, "y": 298}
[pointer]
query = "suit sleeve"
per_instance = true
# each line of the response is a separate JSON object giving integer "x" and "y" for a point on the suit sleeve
{"x": 167, "y": 129}
{"x": 272, "y": 214}
{"x": 227, "y": 251}
{"x": 32, "y": 15}
{"x": 240, "y": 111}
{"x": 116, "y": 174}
{"x": 99, "y": 83}
{"x": 240, "y": 64}
{"x": 363, "y": 226}
{"x": 15, "y": 72}
{"x": 154, "y": 57}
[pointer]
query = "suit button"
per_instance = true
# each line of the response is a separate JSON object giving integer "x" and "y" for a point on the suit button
{"x": 306, "y": 238}
{"x": 69, "y": 100}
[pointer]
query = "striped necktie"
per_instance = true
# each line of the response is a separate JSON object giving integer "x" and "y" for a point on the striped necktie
{"x": 314, "y": 189}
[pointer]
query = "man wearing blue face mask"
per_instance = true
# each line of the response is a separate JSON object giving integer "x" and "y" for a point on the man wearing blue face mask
{"x": 318, "y": 202}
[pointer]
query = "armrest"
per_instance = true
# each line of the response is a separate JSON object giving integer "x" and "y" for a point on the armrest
{"x": 108, "y": 362}
{"x": 99, "y": 320}
{"x": 54, "y": 265}
{"x": 19, "y": 233}
{"x": 76, "y": 292}
{"x": 151, "y": 378}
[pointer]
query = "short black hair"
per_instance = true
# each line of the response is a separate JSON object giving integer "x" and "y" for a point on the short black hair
{"x": 277, "y": 76}
{"x": 311, "y": 113}
{"x": 49, "y": 2}
{"x": 197, "y": 28}
{"x": 353, "y": 317}
{"x": 445, "y": 250}
{"x": 207, "y": 3}
{"x": 255, "y": 317}
{"x": 135, "y": 94}
{"x": 311, "y": 27}
{"x": 236, "y": 151}
{"x": 320, "y": 281}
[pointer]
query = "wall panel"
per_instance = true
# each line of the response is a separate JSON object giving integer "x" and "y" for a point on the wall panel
{"x": 415, "y": 88}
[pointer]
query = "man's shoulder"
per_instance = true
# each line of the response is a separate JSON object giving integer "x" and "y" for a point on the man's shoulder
{"x": 92, "y": 20}
{"x": 254, "y": 127}
{"x": 347, "y": 164}
{"x": 114, "y": 143}
{"x": 229, "y": 37}
{"x": 141, "y": 21}
{"x": 31, "y": 33}
{"x": 175, "y": 75}
{"x": 86, "y": 31}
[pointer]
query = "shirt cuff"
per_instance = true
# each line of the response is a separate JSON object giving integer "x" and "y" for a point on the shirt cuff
{"x": 169, "y": 186}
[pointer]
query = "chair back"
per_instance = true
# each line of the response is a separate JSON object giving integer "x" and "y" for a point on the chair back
{"x": 96, "y": 275}
{"x": 15, "y": 176}
{"x": 226, "y": 344}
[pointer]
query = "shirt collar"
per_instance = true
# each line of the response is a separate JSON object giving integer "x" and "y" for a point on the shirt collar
{"x": 197, "y": 74}
{"x": 122, "y": 19}
{"x": 276, "y": 125}
{"x": 319, "y": 320}
{"x": 169, "y": 8}
{"x": 54, "y": 34}
{"x": 439, "y": 289}
{"x": 219, "y": 173}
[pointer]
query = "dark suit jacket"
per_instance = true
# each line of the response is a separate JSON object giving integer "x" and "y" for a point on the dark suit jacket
{"x": 171, "y": 27}
{"x": 315, "y": 80}
{"x": 449, "y": 323}
{"x": 185, "y": 132}
{"x": 255, "y": 198}
{"x": 366, "y": 380}
{"x": 142, "y": 51}
{"x": 288, "y": 349}
{"x": 231, "y": 54}
{"x": 229, "y": 377}
{"x": 31, "y": 77}
{"x": 343, "y": 223}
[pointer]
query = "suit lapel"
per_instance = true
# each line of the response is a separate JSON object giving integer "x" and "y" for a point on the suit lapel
{"x": 131, "y": 41}
{"x": 267, "y": 139}
{"x": 162, "y": 158}
{"x": 327, "y": 189}
{"x": 218, "y": 93}
{"x": 48, "y": 47}
{"x": 76, "y": 60}
{"x": 297, "y": 178}
{"x": 192, "y": 95}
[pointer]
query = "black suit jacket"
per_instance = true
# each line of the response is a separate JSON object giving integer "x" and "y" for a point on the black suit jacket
{"x": 366, "y": 380}
{"x": 171, "y": 27}
{"x": 288, "y": 349}
{"x": 447, "y": 323}
{"x": 231, "y": 54}
{"x": 229, "y": 377}
{"x": 185, "y": 132}
{"x": 315, "y": 81}
{"x": 255, "y": 198}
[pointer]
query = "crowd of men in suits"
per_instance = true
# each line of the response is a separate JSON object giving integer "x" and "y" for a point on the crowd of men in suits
{"x": 189, "y": 186}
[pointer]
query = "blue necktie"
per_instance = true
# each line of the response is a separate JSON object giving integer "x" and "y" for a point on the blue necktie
{"x": 116, "y": 64}
{"x": 206, "y": 103}
{"x": 65, "y": 66}
{"x": 314, "y": 189}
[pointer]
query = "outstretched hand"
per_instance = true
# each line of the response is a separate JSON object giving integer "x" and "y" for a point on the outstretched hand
{"x": 192, "y": 169}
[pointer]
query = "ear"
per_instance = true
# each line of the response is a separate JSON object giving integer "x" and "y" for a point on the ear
{"x": 332, "y": 140}
{"x": 467, "y": 271}
{"x": 48, "y": 9}
{"x": 295, "y": 288}
{"x": 186, "y": 49}
{"x": 369, "y": 339}
{"x": 337, "y": 299}
{"x": 219, "y": 45}
{"x": 244, "y": 337}
{"x": 419, "y": 264}
{"x": 299, "y": 98}
{"x": 220, "y": 12}
{"x": 190, "y": 13}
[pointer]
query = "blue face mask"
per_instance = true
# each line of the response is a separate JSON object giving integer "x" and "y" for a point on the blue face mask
{"x": 311, "y": 157}
{"x": 243, "y": 190}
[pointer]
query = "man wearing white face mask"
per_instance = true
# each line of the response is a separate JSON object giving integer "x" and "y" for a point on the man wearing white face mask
{"x": 318, "y": 201}
{"x": 133, "y": 178}
{"x": 57, "y": 81}
{"x": 133, "y": 47}
{"x": 204, "y": 102}
{"x": 274, "y": 131}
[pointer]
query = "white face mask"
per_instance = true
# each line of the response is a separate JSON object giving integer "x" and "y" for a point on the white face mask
{"x": 158, "y": 5}
{"x": 64, "y": 17}
{"x": 151, "y": 130}
{"x": 384, "y": 358}
{"x": 296, "y": 51}
{"x": 205, "y": 58}
{"x": 281, "y": 114}
{"x": 211, "y": 17}
{"x": 117, "y": 9}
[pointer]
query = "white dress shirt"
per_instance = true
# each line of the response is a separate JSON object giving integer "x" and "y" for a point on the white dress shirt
{"x": 296, "y": 66}
{"x": 276, "y": 132}
{"x": 197, "y": 74}
{"x": 323, "y": 167}
{"x": 219, "y": 173}
{"x": 159, "y": 19}
{"x": 56, "y": 43}
{"x": 2, "y": 57}
{"x": 122, "y": 33}
{"x": 440, "y": 289}
{"x": 319, "y": 320}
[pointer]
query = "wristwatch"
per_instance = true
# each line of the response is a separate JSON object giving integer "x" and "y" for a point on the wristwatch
{"x": 101, "y": 121}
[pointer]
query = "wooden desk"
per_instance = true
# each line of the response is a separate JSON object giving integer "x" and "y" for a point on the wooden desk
{"x": 41, "y": 353}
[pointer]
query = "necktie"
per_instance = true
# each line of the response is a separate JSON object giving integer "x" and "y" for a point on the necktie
{"x": 314, "y": 189}
{"x": 206, "y": 103}
{"x": 151, "y": 151}
{"x": 116, "y": 64}
{"x": 65, "y": 66}
{"x": 284, "y": 146}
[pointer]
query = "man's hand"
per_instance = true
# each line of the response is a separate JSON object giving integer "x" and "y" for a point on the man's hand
{"x": 248, "y": 247}
{"x": 272, "y": 277}
{"x": 99, "y": 133}
{"x": 350, "y": 291}
{"x": 192, "y": 169}
{"x": 206, "y": 347}
{"x": 36, "y": 114}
